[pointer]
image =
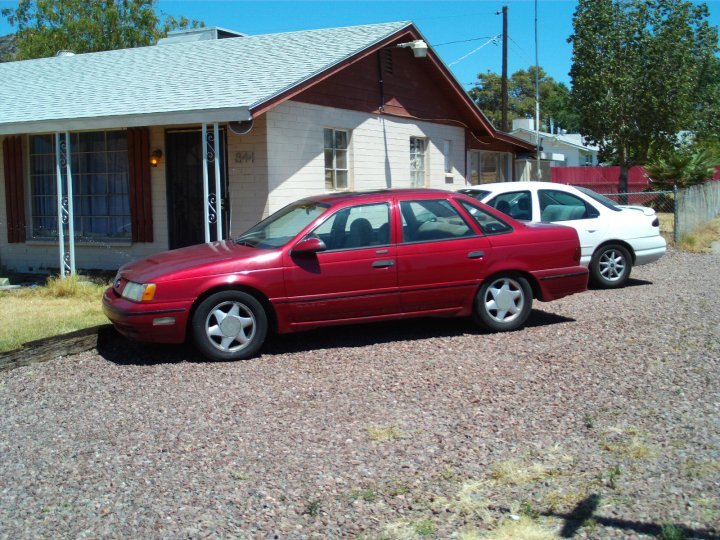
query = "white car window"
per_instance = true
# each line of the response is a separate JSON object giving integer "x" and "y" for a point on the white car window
{"x": 558, "y": 205}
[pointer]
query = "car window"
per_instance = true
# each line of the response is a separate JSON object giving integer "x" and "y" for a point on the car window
{"x": 558, "y": 205}
{"x": 432, "y": 219}
{"x": 608, "y": 203}
{"x": 356, "y": 227}
{"x": 282, "y": 226}
{"x": 516, "y": 204}
{"x": 488, "y": 223}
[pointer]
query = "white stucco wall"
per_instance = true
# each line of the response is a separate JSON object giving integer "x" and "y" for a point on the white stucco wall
{"x": 379, "y": 153}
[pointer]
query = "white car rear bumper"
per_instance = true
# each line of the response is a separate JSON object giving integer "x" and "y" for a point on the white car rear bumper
{"x": 648, "y": 249}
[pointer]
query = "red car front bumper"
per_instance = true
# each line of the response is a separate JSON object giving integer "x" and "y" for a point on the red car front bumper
{"x": 156, "y": 322}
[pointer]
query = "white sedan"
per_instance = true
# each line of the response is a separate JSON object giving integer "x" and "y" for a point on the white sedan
{"x": 613, "y": 238}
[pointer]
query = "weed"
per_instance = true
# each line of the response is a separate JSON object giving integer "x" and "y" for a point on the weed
{"x": 366, "y": 495}
{"x": 424, "y": 527}
{"x": 312, "y": 508}
{"x": 238, "y": 475}
{"x": 589, "y": 421}
{"x": 448, "y": 474}
{"x": 526, "y": 509}
{"x": 700, "y": 469}
{"x": 614, "y": 476}
{"x": 672, "y": 532}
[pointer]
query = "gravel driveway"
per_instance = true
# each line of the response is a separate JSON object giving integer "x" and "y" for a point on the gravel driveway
{"x": 600, "y": 419}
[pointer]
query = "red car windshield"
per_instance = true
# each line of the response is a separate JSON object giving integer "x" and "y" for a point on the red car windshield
{"x": 282, "y": 226}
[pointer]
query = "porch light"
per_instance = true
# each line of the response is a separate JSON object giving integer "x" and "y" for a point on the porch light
{"x": 419, "y": 47}
{"x": 155, "y": 157}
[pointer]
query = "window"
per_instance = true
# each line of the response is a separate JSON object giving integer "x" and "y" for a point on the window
{"x": 101, "y": 204}
{"x": 282, "y": 226}
{"x": 487, "y": 223}
{"x": 432, "y": 220}
{"x": 417, "y": 161}
{"x": 487, "y": 167}
{"x": 356, "y": 227}
{"x": 562, "y": 206}
{"x": 336, "y": 159}
{"x": 516, "y": 204}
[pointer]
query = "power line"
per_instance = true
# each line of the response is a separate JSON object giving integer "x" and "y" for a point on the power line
{"x": 494, "y": 40}
{"x": 463, "y": 41}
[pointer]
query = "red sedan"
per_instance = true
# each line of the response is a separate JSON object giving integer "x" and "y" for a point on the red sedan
{"x": 347, "y": 258}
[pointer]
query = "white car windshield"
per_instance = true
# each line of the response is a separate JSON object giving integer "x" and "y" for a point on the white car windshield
{"x": 282, "y": 226}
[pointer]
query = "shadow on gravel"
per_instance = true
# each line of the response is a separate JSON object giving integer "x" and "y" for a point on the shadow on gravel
{"x": 585, "y": 510}
{"x": 631, "y": 282}
{"x": 119, "y": 350}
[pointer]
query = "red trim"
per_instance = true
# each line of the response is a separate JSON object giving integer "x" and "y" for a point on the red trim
{"x": 14, "y": 189}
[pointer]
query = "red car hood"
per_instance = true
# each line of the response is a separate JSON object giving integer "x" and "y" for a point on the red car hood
{"x": 206, "y": 259}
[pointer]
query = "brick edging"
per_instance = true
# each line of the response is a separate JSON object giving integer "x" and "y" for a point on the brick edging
{"x": 43, "y": 350}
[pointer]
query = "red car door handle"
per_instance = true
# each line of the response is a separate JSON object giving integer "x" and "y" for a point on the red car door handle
{"x": 476, "y": 255}
{"x": 383, "y": 264}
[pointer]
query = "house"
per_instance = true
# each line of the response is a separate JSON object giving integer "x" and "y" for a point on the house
{"x": 556, "y": 150}
{"x": 207, "y": 132}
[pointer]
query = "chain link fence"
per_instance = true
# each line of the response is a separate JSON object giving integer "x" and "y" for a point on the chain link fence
{"x": 663, "y": 202}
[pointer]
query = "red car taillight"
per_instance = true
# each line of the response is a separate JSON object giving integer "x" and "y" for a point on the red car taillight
{"x": 577, "y": 254}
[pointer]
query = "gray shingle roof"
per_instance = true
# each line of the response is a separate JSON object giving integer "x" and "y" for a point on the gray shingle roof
{"x": 198, "y": 81}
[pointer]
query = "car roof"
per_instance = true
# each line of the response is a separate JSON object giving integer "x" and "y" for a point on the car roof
{"x": 380, "y": 194}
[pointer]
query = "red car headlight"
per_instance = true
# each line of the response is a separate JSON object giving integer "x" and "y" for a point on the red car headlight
{"x": 139, "y": 292}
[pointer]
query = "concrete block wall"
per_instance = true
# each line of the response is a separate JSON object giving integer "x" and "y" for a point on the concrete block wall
{"x": 247, "y": 177}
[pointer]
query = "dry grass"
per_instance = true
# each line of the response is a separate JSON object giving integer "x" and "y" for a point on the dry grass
{"x": 63, "y": 306}
{"x": 667, "y": 223}
{"x": 384, "y": 433}
{"x": 524, "y": 528}
{"x": 700, "y": 240}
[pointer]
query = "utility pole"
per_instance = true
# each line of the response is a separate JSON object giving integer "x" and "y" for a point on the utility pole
{"x": 504, "y": 83}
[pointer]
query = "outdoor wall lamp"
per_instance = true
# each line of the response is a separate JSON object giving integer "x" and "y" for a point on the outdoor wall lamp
{"x": 419, "y": 47}
{"x": 155, "y": 157}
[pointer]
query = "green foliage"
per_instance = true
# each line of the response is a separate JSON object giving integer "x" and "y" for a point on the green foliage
{"x": 682, "y": 168}
{"x": 672, "y": 532}
{"x": 47, "y": 26}
{"x": 554, "y": 99}
{"x": 641, "y": 72}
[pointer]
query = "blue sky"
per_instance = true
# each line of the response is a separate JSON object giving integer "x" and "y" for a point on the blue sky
{"x": 440, "y": 21}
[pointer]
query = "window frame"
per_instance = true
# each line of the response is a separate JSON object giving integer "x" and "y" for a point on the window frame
{"x": 414, "y": 154}
{"x": 334, "y": 169}
{"x": 85, "y": 182}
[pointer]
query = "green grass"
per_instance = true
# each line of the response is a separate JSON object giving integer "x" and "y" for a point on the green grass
{"x": 60, "y": 307}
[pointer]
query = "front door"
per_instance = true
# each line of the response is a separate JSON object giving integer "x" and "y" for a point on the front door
{"x": 184, "y": 181}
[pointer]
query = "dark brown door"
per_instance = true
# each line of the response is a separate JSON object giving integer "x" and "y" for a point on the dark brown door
{"x": 184, "y": 181}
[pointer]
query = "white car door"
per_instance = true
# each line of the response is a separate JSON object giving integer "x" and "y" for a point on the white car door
{"x": 567, "y": 209}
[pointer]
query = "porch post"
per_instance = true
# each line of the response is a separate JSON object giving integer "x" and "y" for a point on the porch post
{"x": 218, "y": 192}
{"x": 60, "y": 212}
{"x": 70, "y": 210}
{"x": 206, "y": 190}
{"x": 63, "y": 158}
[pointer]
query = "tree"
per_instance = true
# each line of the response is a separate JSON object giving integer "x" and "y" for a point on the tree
{"x": 47, "y": 26}
{"x": 554, "y": 98}
{"x": 684, "y": 167}
{"x": 640, "y": 71}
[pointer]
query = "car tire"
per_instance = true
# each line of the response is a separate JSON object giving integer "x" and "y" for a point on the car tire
{"x": 229, "y": 325}
{"x": 503, "y": 303}
{"x": 610, "y": 266}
